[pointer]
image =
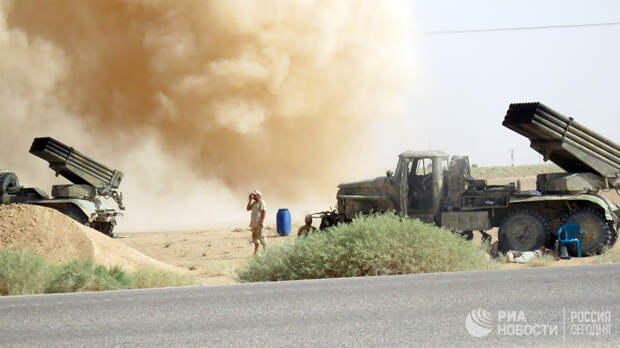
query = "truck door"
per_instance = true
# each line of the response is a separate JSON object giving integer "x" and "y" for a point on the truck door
{"x": 402, "y": 174}
{"x": 421, "y": 186}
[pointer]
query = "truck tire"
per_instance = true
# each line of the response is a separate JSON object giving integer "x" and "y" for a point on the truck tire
{"x": 7, "y": 179}
{"x": 597, "y": 235}
{"x": 467, "y": 235}
{"x": 328, "y": 220}
{"x": 106, "y": 228}
{"x": 523, "y": 230}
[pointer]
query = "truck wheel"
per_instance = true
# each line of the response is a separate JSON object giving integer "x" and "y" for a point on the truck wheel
{"x": 523, "y": 230}
{"x": 328, "y": 220}
{"x": 106, "y": 228}
{"x": 467, "y": 235}
{"x": 614, "y": 236}
{"x": 597, "y": 235}
{"x": 7, "y": 180}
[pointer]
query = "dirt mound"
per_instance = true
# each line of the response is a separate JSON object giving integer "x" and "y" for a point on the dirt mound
{"x": 60, "y": 239}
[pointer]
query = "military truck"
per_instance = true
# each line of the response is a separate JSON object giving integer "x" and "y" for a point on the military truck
{"x": 439, "y": 189}
{"x": 85, "y": 200}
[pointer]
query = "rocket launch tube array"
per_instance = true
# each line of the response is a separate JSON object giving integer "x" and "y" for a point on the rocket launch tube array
{"x": 74, "y": 166}
{"x": 564, "y": 141}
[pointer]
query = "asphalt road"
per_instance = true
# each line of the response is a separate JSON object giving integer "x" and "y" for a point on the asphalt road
{"x": 566, "y": 306}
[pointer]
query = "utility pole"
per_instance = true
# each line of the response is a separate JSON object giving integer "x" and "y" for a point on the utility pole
{"x": 512, "y": 157}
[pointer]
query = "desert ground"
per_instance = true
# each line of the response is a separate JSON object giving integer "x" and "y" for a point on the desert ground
{"x": 212, "y": 255}
{"x": 216, "y": 254}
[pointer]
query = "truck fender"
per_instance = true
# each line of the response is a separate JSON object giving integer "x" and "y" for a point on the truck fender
{"x": 606, "y": 205}
{"x": 89, "y": 208}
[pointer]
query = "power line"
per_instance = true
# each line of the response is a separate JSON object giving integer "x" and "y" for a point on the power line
{"x": 544, "y": 27}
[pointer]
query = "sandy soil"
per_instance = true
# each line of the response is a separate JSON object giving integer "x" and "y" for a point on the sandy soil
{"x": 215, "y": 255}
{"x": 44, "y": 231}
{"x": 60, "y": 239}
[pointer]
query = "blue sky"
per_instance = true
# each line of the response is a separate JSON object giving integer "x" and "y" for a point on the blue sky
{"x": 466, "y": 81}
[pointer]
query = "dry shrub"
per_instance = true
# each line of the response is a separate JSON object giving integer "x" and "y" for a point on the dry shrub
{"x": 370, "y": 245}
{"x": 147, "y": 276}
{"x": 83, "y": 275}
{"x": 23, "y": 272}
{"x": 607, "y": 256}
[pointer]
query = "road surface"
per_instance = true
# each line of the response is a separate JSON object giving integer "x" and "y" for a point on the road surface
{"x": 558, "y": 306}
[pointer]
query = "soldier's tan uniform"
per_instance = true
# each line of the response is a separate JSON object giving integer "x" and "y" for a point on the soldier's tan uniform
{"x": 257, "y": 231}
{"x": 305, "y": 230}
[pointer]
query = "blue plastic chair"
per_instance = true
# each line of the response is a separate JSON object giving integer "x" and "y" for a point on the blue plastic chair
{"x": 570, "y": 233}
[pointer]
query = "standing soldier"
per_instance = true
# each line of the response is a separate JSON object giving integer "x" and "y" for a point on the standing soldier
{"x": 257, "y": 219}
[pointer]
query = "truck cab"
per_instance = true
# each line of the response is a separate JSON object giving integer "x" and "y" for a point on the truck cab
{"x": 415, "y": 188}
{"x": 422, "y": 182}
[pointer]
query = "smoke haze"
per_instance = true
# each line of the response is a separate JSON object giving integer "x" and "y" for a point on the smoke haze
{"x": 199, "y": 102}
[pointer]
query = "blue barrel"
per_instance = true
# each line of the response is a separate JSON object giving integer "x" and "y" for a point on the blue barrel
{"x": 283, "y": 222}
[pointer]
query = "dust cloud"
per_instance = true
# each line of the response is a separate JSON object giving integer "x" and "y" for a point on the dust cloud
{"x": 199, "y": 102}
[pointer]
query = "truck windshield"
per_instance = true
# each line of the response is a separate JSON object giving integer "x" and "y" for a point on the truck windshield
{"x": 424, "y": 167}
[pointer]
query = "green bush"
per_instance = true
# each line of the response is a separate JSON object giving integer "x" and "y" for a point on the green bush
{"x": 370, "y": 245}
{"x": 22, "y": 272}
{"x": 152, "y": 277}
{"x": 83, "y": 275}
